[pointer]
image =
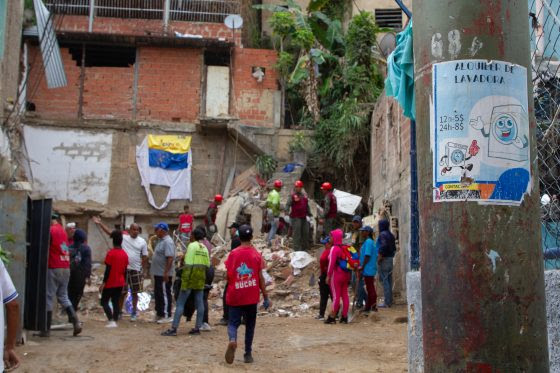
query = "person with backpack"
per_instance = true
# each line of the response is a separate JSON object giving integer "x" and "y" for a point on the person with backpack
{"x": 341, "y": 262}
{"x": 80, "y": 267}
{"x": 387, "y": 249}
{"x": 114, "y": 279}
{"x": 193, "y": 278}
{"x": 368, "y": 267}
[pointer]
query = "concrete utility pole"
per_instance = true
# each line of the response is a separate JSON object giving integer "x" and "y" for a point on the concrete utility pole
{"x": 482, "y": 267}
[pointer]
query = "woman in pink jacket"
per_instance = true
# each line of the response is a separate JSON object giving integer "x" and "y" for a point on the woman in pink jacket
{"x": 338, "y": 279}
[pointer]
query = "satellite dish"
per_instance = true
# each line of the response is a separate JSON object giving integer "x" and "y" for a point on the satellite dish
{"x": 233, "y": 21}
{"x": 388, "y": 44}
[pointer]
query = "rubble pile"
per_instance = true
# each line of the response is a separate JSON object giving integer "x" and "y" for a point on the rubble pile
{"x": 291, "y": 278}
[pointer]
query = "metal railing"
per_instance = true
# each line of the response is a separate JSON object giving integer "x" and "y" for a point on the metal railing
{"x": 213, "y": 11}
{"x": 545, "y": 44}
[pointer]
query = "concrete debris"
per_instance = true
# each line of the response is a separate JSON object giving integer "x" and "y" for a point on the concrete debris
{"x": 287, "y": 275}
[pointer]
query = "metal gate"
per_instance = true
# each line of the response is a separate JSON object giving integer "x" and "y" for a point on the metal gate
{"x": 38, "y": 238}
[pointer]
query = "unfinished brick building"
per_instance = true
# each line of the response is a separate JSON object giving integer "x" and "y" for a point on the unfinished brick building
{"x": 170, "y": 67}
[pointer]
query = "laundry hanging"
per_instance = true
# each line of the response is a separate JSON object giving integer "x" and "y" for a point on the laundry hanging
{"x": 166, "y": 160}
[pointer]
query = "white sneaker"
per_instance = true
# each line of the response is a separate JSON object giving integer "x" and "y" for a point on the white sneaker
{"x": 167, "y": 320}
{"x": 111, "y": 324}
{"x": 205, "y": 327}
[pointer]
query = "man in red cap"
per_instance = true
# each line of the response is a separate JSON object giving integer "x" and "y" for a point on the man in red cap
{"x": 273, "y": 210}
{"x": 328, "y": 217}
{"x": 210, "y": 218}
{"x": 298, "y": 205}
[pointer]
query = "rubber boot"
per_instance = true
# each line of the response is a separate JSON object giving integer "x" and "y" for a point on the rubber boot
{"x": 74, "y": 320}
{"x": 47, "y": 332}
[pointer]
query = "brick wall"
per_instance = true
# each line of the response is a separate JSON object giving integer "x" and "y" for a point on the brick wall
{"x": 390, "y": 175}
{"x": 168, "y": 87}
{"x": 108, "y": 92}
{"x": 134, "y": 26}
{"x": 53, "y": 103}
{"x": 169, "y": 84}
{"x": 254, "y": 101}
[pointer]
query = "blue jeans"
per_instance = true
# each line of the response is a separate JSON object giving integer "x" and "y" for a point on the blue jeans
{"x": 386, "y": 276}
{"x": 361, "y": 299}
{"x": 362, "y": 295}
{"x": 235, "y": 314}
{"x": 180, "y": 308}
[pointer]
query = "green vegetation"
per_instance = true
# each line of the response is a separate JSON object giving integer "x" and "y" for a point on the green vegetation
{"x": 266, "y": 165}
{"x": 331, "y": 82}
{"x": 5, "y": 256}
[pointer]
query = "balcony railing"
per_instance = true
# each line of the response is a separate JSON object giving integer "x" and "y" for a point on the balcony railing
{"x": 167, "y": 10}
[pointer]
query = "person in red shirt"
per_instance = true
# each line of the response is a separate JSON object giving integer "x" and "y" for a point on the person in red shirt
{"x": 58, "y": 275}
{"x": 298, "y": 206}
{"x": 245, "y": 283}
{"x": 324, "y": 288}
{"x": 114, "y": 279}
{"x": 185, "y": 225}
{"x": 211, "y": 214}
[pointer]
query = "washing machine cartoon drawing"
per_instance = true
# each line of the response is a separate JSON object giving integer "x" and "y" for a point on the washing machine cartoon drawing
{"x": 506, "y": 132}
{"x": 456, "y": 155}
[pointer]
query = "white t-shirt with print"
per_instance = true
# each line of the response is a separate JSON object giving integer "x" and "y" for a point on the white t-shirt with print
{"x": 8, "y": 293}
{"x": 135, "y": 248}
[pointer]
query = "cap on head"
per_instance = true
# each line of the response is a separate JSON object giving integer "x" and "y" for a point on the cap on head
{"x": 298, "y": 184}
{"x": 54, "y": 215}
{"x": 234, "y": 225}
{"x": 245, "y": 232}
{"x": 357, "y": 218}
{"x": 326, "y": 186}
{"x": 367, "y": 228}
{"x": 325, "y": 240}
{"x": 162, "y": 226}
{"x": 218, "y": 198}
{"x": 71, "y": 225}
{"x": 278, "y": 183}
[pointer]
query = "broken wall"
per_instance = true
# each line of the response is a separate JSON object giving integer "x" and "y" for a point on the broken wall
{"x": 163, "y": 85}
{"x": 69, "y": 165}
{"x": 93, "y": 171}
{"x": 390, "y": 176}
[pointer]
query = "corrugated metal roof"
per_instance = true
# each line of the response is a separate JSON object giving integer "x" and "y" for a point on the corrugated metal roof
{"x": 50, "y": 51}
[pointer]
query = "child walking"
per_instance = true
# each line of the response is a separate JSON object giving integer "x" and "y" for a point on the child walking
{"x": 114, "y": 279}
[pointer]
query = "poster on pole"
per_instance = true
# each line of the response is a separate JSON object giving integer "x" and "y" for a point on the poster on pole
{"x": 480, "y": 132}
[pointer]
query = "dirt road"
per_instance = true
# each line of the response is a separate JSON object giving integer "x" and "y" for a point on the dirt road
{"x": 370, "y": 344}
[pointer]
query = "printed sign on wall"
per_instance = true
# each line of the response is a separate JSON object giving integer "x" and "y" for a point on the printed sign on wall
{"x": 480, "y": 132}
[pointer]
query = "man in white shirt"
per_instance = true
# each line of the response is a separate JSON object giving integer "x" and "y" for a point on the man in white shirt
{"x": 137, "y": 250}
{"x": 8, "y": 295}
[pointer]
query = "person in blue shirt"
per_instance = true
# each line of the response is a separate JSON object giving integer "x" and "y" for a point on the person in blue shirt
{"x": 368, "y": 267}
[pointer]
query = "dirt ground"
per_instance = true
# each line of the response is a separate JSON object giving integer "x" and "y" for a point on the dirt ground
{"x": 369, "y": 344}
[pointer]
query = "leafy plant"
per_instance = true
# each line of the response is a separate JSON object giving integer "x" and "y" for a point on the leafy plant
{"x": 330, "y": 81}
{"x": 5, "y": 255}
{"x": 298, "y": 143}
{"x": 266, "y": 165}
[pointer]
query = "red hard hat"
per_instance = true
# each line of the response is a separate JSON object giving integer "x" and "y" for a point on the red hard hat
{"x": 278, "y": 183}
{"x": 326, "y": 186}
{"x": 218, "y": 198}
{"x": 298, "y": 184}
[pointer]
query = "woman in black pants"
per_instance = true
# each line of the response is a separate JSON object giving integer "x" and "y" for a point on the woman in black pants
{"x": 114, "y": 279}
{"x": 80, "y": 267}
